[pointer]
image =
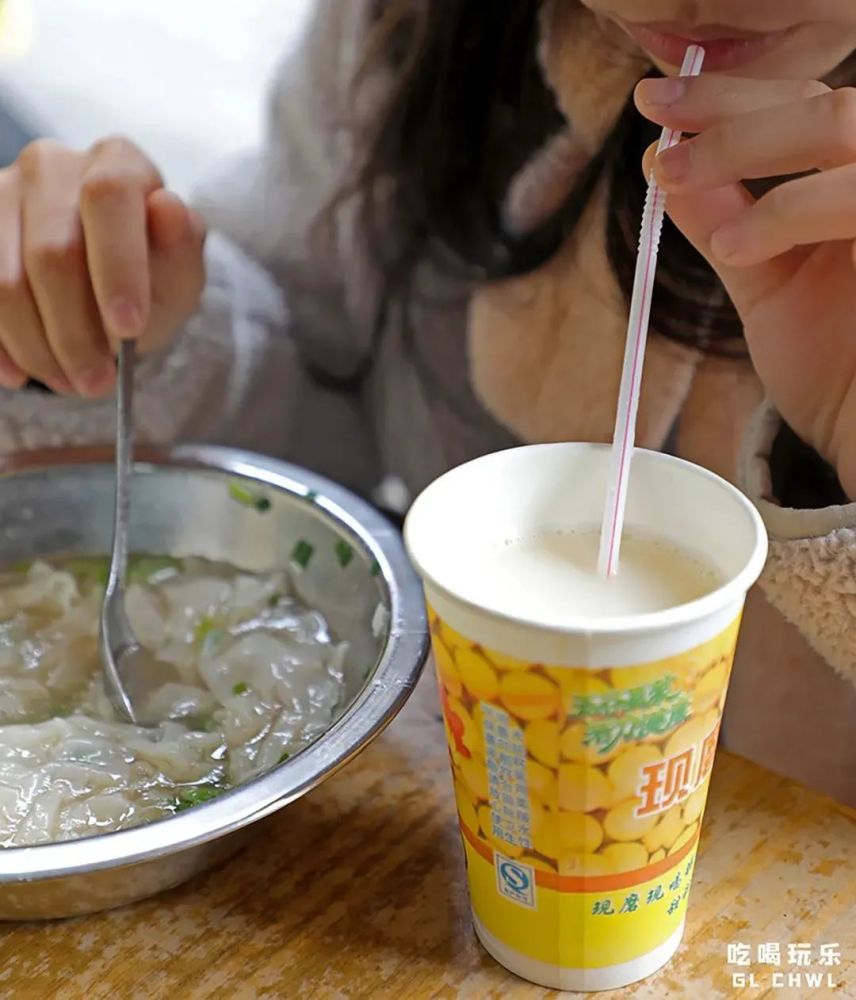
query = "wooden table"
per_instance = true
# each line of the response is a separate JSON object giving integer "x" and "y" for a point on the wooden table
{"x": 358, "y": 891}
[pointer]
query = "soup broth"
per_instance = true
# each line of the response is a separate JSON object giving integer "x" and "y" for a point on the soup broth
{"x": 258, "y": 676}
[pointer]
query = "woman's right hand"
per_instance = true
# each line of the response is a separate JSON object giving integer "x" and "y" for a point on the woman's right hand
{"x": 93, "y": 250}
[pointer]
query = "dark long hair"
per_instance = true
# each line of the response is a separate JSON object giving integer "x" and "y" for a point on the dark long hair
{"x": 468, "y": 108}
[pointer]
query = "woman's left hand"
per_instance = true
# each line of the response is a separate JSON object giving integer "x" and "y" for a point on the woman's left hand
{"x": 788, "y": 260}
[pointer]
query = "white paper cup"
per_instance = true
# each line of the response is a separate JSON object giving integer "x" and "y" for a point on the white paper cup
{"x": 580, "y": 749}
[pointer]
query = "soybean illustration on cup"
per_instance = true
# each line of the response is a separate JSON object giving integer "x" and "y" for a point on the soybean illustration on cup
{"x": 581, "y": 745}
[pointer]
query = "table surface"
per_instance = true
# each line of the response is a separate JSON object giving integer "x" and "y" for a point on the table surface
{"x": 358, "y": 890}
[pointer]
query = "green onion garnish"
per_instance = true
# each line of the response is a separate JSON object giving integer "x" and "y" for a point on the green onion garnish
{"x": 344, "y": 553}
{"x": 248, "y": 498}
{"x": 204, "y": 629}
{"x": 92, "y": 571}
{"x": 144, "y": 569}
{"x": 302, "y": 553}
{"x": 241, "y": 688}
{"x": 196, "y": 795}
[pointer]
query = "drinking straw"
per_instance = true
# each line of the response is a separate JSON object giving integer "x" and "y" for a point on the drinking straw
{"x": 634, "y": 355}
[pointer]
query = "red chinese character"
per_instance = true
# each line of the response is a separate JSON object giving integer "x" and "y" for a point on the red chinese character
{"x": 667, "y": 782}
{"x": 708, "y": 749}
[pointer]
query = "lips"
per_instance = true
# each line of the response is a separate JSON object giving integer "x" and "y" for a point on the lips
{"x": 725, "y": 47}
{"x": 713, "y": 32}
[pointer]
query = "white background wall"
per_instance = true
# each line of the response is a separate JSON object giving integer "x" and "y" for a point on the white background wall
{"x": 184, "y": 78}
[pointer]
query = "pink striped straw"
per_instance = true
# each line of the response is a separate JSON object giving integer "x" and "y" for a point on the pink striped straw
{"x": 634, "y": 355}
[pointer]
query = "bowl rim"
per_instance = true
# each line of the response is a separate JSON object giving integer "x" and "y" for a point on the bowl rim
{"x": 382, "y": 697}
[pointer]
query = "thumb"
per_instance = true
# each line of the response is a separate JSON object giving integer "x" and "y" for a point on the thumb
{"x": 700, "y": 214}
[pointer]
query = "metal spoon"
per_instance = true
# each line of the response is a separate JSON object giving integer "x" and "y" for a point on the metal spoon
{"x": 118, "y": 642}
{"x": 132, "y": 674}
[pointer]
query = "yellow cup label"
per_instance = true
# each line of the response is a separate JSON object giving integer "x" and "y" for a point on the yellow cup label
{"x": 580, "y": 793}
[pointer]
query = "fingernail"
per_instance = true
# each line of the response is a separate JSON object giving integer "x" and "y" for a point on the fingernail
{"x": 125, "y": 317}
{"x": 728, "y": 241}
{"x": 61, "y": 386}
{"x": 675, "y": 164}
{"x": 662, "y": 93}
{"x": 93, "y": 381}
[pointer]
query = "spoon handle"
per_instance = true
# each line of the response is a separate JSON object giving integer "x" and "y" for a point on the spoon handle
{"x": 117, "y": 636}
{"x": 124, "y": 458}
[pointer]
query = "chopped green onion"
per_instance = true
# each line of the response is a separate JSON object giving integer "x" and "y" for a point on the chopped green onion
{"x": 205, "y": 627}
{"x": 239, "y": 492}
{"x": 284, "y": 757}
{"x": 312, "y": 495}
{"x": 302, "y": 553}
{"x": 240, "y": 688}
{"x": 88, "y": 570}
{"x": 144, "y": 569}
{"x": 196, "y": 795}
{"x": 248, "y": 497}
{"x": 344, "y": 553}
{"x": 274, "y": 599}
{"x": 375, "y": 570}
{"x": 200, "y": 723}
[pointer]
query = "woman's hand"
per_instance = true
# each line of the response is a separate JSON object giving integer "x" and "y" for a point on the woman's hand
{"x": 93, "y": 250}
{"x": 788, "y": 260}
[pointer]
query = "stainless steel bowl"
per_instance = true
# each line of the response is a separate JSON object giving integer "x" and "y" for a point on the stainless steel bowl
{"x": 185, "y": 504}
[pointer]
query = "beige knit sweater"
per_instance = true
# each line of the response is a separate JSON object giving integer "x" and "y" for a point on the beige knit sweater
{"x": 533, "y": 359}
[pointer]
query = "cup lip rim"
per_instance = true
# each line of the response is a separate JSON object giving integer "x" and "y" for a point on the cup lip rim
{"x": 734, "y": 589}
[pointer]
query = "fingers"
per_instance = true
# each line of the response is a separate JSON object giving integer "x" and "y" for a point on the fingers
{"x": 695, "y": 104}
{"x": 92, "y": 250}
{"x": 23, "y": 337}
{"x": 819, "y": 133}
{"x": 116, "y": 182}
{"x": 701, "y": 215}
{"x": 176, "y": 237}
{"x": 803, "y": 212}
{"x": 756, "y": 129}
{"x": 54, "y": 255}
{"x": 13, "y": 284}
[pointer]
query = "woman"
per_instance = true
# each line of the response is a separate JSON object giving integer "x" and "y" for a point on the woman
{"x": 447, "y": 206}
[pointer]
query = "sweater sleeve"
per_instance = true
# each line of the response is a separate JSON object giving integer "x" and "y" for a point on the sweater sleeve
{"x": 810, "y": 575}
